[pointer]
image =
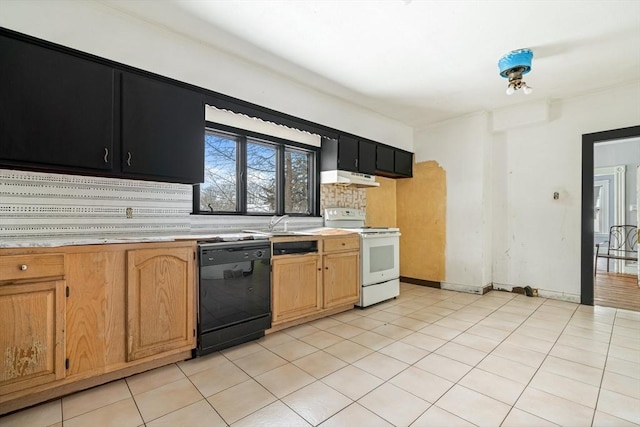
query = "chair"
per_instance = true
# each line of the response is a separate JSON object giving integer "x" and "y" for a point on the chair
{"x": 622, "y": 245}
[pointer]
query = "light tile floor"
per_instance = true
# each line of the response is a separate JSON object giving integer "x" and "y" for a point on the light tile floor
{"x": 428, "y": 358}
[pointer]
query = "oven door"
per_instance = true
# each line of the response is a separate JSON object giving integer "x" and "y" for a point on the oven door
{"x": 380, "y": 257}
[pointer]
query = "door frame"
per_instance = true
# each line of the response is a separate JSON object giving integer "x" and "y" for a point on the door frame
{"x": 586, "y": 251}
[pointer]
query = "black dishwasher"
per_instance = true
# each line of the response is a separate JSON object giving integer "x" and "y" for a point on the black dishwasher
{"x": 234, "y": 294}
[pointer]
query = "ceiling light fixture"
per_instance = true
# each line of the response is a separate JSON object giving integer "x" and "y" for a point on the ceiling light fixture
{"x": 513, "y": 66}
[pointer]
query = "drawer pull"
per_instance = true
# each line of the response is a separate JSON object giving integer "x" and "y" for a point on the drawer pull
{"x": 343, "y": 243}
{"x": 23, "y": 267}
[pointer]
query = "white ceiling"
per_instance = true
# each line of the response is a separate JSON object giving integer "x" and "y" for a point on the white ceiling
{"x": 418, "y": 61}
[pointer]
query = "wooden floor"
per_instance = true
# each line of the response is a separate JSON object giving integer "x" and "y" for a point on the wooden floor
{"x": 616, "y": 290}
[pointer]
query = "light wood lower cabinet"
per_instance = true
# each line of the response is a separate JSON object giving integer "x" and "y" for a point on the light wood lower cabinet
{"x": 31, "y": 335}
{"x": 341, "y": 278}
{"x": 95, "y": 333}
{"x": 159, "y": 301}
{"x": 341, "y": 275}
{"x": 91, "y": 314}
{"x": 318, "y": 284}
{"x": 297, "y": 287}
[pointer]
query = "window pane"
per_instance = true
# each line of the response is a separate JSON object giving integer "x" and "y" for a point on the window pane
{"x": 261, "y": 178}
{"x": 218, "y": 192}
{"x": 296, "y": 182}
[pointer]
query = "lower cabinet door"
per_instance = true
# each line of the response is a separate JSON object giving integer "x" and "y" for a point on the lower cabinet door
{"x": 160, "y": 305}
{"x": 95, "y": 326}
{"x": 296, "y": 287}
{"x": 341, "y": 278}
{"x": 32, "y": 334}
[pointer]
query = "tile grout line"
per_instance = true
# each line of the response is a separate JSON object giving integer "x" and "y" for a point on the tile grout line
{"x": 575, "y": 326}
{"x": 431, "y": 352}
{"x": 538, "y": 369}
{"x": 135, "y": 402}
{"x": 203, "y": 396}
{"x": 489, "y": 353}
{"x": 604, "y": 368}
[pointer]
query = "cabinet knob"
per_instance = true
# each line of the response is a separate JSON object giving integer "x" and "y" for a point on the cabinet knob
{"x": 128, "y": 158}
{"x": 106, "y": 155}
{"x": 326, "y": 268}
{"x": 343, "y": 243}
{"x": 23, "y": 267}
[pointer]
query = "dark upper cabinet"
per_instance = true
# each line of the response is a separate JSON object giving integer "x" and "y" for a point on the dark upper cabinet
{"x": 385, "y": 158}
{"x": 366, "y": 157}
{"x": 162, "y": 130}
{"x": 56, "y": 110}
{"x": 403, "y": 164}
{"x": 66, "y": 112}
{"x": 348, "y": 154}
{"x": 393, "y": 162}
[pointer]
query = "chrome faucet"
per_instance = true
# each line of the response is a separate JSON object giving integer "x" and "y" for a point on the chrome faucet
{"x": 275, "y": 220}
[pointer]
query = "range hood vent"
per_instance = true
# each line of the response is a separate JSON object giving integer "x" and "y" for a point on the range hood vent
{"x": 348, "y": 178}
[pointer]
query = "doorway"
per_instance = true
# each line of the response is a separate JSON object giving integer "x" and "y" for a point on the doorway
{"x": 589, "y": 142}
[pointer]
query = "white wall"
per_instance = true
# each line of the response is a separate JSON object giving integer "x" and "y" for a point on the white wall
{"x": 100, "y": 30}
{"x": 535, "y": 239}
{"x": 461, "y": 147}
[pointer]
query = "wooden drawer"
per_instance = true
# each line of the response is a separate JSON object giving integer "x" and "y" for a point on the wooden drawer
{"x": 18, "y": 267}
{"x": 336, "y": 244}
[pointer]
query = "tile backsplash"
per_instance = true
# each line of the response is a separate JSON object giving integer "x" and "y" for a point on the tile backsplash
{"x": 342, "y": 196}
{"x": 34, "y": 205}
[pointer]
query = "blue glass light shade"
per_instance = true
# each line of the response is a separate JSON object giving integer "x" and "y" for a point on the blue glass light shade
{"x": 518, "y": 59}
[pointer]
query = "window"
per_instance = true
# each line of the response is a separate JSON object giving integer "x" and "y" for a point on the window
{"x": 296, "y": 180}
{"x": 261, "y": 178}
{"x": 601, "y": 207}
{"x": 249, "y": 173}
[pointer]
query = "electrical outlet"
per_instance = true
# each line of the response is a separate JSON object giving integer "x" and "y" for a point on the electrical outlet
{"x": 129, "y": 213}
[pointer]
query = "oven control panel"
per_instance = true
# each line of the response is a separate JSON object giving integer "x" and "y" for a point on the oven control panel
{"x": 339, "y": 214}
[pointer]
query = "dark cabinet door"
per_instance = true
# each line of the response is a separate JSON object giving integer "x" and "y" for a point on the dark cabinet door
{"x": 385, "y": 159}
{"x": 162, "y": 130}
{"x": 56, "y": 110}
{"x": 348, "y": 154}
{"x": 367, "y": 157}
{"x": 404, "y": 163}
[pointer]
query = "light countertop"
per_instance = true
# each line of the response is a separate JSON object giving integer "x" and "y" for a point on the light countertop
{"x": 30, "y": 242}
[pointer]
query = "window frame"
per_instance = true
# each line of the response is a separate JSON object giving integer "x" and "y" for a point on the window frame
{"x": 243, "y": 136}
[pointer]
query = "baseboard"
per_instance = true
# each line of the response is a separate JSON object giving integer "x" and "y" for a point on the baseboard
{"x": 421, "y": 282}
{"x": 543, "y": 293}
{"x": 478, "y": 290}
{"x": 560, "y": 296}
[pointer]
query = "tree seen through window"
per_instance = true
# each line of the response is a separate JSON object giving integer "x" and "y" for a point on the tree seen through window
{"x": 247, "y": 175}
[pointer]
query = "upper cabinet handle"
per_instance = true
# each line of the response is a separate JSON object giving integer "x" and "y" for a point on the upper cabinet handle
{"x": 128, "y": 158}
{"x": 356, "y": 162}
{"x": 106, "y": 155}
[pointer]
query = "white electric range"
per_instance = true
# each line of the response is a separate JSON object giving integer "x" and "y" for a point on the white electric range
{"x": 379, "y": 254}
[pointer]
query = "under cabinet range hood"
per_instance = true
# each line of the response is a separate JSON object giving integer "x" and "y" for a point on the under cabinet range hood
{"x": 348, "y": 178}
